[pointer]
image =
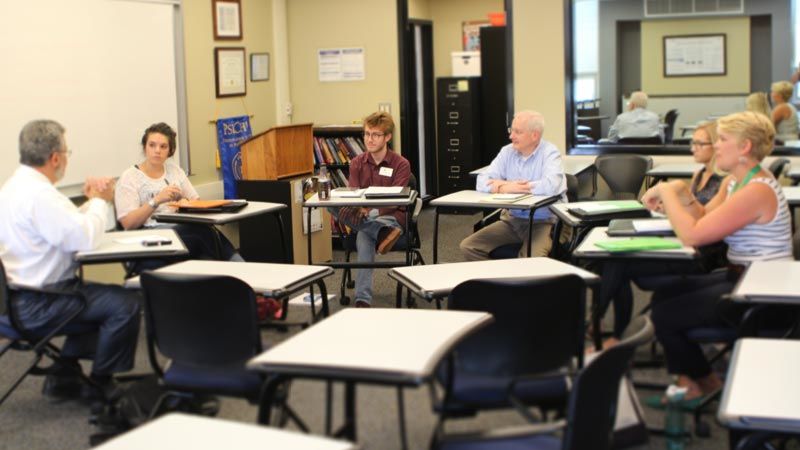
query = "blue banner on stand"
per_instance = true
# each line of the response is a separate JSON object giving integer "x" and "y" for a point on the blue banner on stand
{"x": 230, "y": 133}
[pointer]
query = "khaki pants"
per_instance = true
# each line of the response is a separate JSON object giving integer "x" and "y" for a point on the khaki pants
{"x": 507, "y": 230}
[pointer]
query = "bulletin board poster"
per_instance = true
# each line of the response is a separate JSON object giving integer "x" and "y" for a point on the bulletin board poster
{"x": 472, "y": 34}
{"x": 695, "y": 55}
{"x": 341, "y": 64}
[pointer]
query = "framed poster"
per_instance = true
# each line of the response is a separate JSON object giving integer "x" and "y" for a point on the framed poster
{"x": 694, "y": 55}
{"x": 259, "y": 66}
{"x": 229, "y": 71}
{"x": 472, "y": 34}
{"x": 227, "y": 19}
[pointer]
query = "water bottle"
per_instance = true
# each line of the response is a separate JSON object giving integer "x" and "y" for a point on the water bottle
{"x": 674, "y": 421}
{"x": 324, "y": 189}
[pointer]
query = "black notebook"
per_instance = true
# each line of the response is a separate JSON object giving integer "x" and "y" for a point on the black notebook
{"x": 624, "y": 227}
{"x": 607, "y": 210}
{"x": 379, "y": 193}
{"x": 231, "y": 207}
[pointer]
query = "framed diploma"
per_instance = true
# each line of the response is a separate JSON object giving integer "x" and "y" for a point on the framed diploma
{"x": 694, "y": 55}
{"x": 227, "y": 19}
{"x": 229, "y": 70}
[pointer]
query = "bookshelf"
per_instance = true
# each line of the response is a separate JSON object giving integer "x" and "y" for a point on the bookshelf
{"x": 334, "y": 147}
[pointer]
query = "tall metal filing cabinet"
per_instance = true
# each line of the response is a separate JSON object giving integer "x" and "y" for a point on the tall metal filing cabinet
{"x": 459, "y": 135}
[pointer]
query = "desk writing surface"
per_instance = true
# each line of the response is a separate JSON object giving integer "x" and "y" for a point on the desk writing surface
{"x": 674, "y": 170}
{"x": 792, "y": 194}
{"x": 761, "y": 390}
{"x": 438, "y": 280}
{"x": 475, "y": 199}
{"x": 177, "y": 430}
{"x": 561, "y": 210}
{"x": 394, "y": 345}
{"x": 268, "y": 278}
{"x": 124, "y": 245}
{"x": 769, "y": 281}
{"x": 315, "y": 202}
{"x": 588, "y": 249}
{"x": 576, "y": 166}
{"x": 252, "y": 209}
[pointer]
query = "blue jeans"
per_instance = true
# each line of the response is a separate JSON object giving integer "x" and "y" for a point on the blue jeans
{"x": 366, "y": 241}
{"x": 110, "y": 322}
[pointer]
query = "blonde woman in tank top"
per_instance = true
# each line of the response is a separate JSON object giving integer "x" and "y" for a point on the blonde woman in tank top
{"x": 758, "y": 102}
{"x": 750, "y": 214}
{"x": 784, "y": 114}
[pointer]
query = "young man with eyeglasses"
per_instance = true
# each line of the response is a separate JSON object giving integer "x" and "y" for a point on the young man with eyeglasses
{"x": 529, "y": 165}
{"x": 377, "y": 229}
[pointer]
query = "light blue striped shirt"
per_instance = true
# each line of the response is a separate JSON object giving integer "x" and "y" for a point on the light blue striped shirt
{"x": 543, "y": 168}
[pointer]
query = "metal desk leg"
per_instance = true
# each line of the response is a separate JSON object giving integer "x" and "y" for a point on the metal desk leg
{"x": 328, "y": 407}
{"x": 324, "y": 294}
{"x": 398, "y": 302}
{"x": 308, "y": 222}
{"x": 436, "y": 235}
{"x": 530, "y": 232}
{"x": 597, "y": 337}
{"x": 349, "y": 429}
{"x": 401, "y": 413}
{"x": 286, "y": 257}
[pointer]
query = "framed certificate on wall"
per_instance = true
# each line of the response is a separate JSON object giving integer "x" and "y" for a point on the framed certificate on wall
{"x": 229, "y": 70}
{"x": 694, "y": 55}
{"x": 227, "y": 19}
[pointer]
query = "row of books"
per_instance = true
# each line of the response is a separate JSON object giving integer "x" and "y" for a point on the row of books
{"x": 337, "y": 150}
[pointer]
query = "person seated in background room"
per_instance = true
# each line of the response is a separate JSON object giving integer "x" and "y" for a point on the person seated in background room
{"x": 377, "y": 229}
{"x": 784, "y": 114}
{"x": 528, "y": 165}
{"x": 150, "y": 186}
{"x": 758, "y": 102}
{"x": 617, "y": 274}
{"x": 41, "y": 229}
{"x": 637, "y": 122}
{"x": 750, "y": 214}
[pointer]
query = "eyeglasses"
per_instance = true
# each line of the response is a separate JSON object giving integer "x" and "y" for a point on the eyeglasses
{"x": 368, "y": 135}
{"x": 700, "y": 143}
{"x": 67, "y": 151}
{"x": 514, "y": 131}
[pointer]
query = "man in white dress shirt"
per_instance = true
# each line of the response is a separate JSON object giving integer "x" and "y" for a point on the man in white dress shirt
{"x": 637, "y": 122}
{"x": 40, "y": 230}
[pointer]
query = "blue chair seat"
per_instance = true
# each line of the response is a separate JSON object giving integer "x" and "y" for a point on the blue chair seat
{"x": 7, "y": 330}
{"x": 234, "y": 381}
{"x": 486, "y": 391}
{"x": 534, "y": 442}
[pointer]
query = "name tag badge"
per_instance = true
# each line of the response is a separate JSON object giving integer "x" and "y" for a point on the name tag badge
{"x": 385, "y": 171}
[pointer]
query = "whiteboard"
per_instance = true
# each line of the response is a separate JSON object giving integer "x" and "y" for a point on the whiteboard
{"x": 104, "y": 69}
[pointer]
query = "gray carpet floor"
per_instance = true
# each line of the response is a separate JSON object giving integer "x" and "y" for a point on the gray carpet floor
{"x": 28, "y": 420}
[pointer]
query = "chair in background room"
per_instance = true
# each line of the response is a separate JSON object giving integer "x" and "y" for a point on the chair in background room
{"x": 779, "y": 167}
{"x": 624, "y": 174}
{"x": 207, "y": 329}
{"x": 669, "y": 121}
{"x": 591, "y": 411}
{"x": 652, "y": 140}
{"x": 412, "y": 239}
{"x": 526, "y": 357}
{"x": 39, "y": 345}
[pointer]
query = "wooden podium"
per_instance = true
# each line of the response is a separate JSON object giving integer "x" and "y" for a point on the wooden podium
{"x": 273, "y": 164}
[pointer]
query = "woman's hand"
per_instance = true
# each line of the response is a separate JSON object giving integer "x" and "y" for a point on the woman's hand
{"x": 168, "y": 194}
{"x": 652, "y": 198}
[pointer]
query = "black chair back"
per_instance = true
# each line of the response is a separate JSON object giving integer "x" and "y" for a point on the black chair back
{"x": 778, "y": 166}
{"x": 593, "y": 402}
{"x": 624, "y": 174}
{"x": 651, "y": 140}
{"x": 200, "y": 320}
{"x": 538, "y": 325}
{"x": 573, "y": 187}
{"x": 669, "y": 120}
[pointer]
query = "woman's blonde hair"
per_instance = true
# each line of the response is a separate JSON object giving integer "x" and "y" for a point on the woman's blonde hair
{"x": 783, "y": 88}
{"x": 758, "y": 102}
{"x": 749, "y": 126}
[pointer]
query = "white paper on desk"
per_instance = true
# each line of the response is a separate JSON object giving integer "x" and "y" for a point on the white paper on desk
{"x": 384, "y": 190}
{"x": 644, "y": 226}
{"x": 139, "y": 239}
{"x": 347, "y": 193}
{"x": 316, "y": 220}
{"x": 304, "y": 299}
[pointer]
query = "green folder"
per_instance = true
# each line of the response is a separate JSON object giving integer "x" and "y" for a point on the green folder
{"x": 638, "y": 244}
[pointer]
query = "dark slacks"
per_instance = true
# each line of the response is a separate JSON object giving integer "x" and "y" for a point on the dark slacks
{"x": 109, "y": 325}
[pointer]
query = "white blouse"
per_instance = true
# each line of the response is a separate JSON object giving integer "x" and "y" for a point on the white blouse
{"x": 135, "y": 188}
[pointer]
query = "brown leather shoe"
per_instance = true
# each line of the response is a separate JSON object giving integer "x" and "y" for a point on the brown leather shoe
{"x": 387, "y": 237}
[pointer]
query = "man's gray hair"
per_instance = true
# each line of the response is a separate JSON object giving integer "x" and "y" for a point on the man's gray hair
{"x": 534, "y": 121}
{"x": 638, "y": 100}
{"x": 38, "y": 140}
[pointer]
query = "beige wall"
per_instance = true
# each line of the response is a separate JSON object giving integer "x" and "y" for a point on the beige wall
{"x": 447, "y": 16}
{"x": 318, "y": 24}
{"x": 539, "y": 64}
{"x": 203, "y": 105}
{"x": 419, "y": 9}
{"x": 737, "y": 80}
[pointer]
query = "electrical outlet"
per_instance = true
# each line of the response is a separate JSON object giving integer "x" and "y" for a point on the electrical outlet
{"x": 385, "y": 107}
{"x": 289, "y": 109}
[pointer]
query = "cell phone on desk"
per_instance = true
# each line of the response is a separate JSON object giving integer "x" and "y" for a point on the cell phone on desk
{"x": 156, "y": 242}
